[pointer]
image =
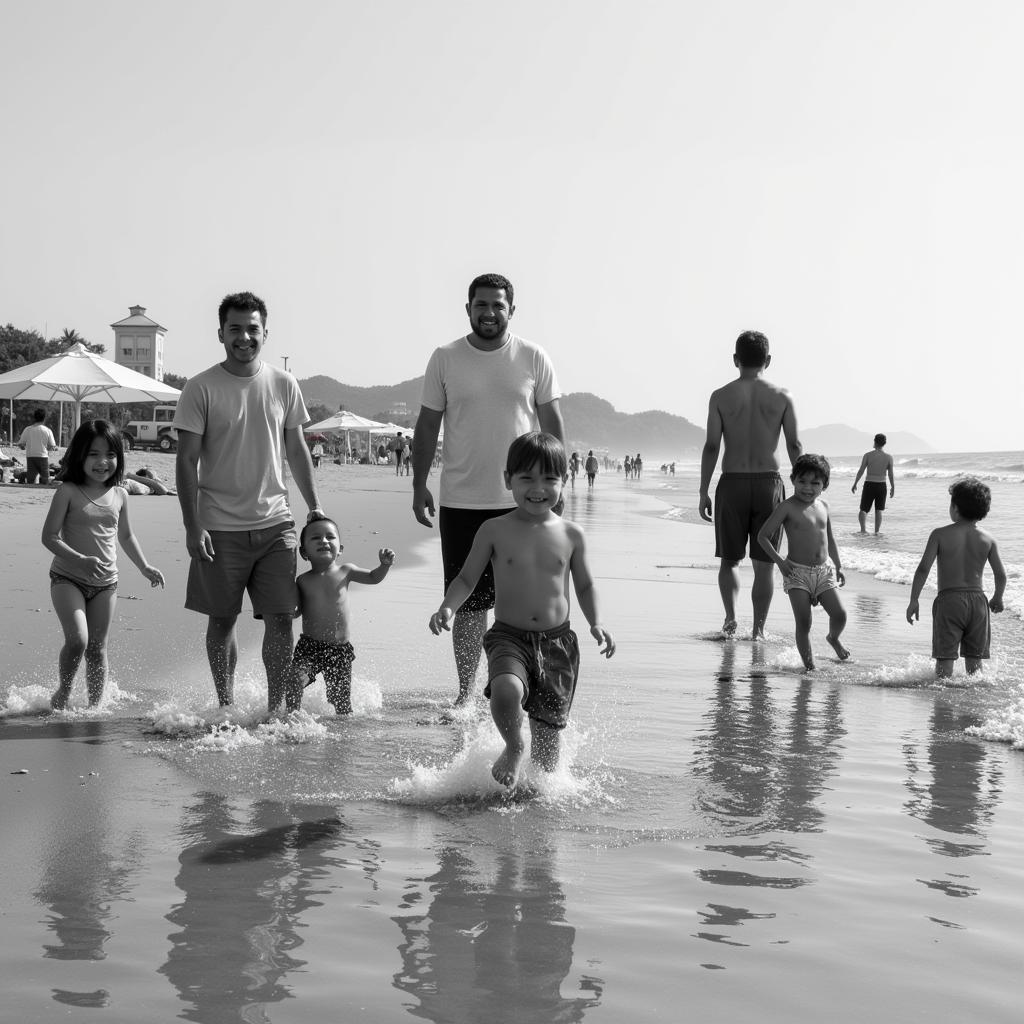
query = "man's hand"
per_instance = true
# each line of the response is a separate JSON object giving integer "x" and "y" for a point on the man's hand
{"x": 913, "y": 612}
{"x": 423, "y": 505}
{"x": 316, "y": 513}
{"x": 199, "y": 545}
{"x": 705, "y": 507}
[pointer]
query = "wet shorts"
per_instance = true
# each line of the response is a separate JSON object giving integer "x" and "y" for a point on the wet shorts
{"x": 88, "y": 590}
{"x": 873, "y": 493}
{"x": 458, "y": 527}
{"x": 743, "y": 503}
{"x": 815, "y": 579}
{"x": 313, "y": 657}
{"x": 960, "y": 625}
{"x": 547, "y": 663}
{"x": 260, "y": 561}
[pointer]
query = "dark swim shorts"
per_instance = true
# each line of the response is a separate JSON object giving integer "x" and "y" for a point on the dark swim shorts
{"x": 960, "y": 625}
{"x": 458, "y": 527}
{"x": 743, "y": 503}
{"x": 548, "y": 663}
{"x": 873, "y": 493}
{"x": 312, "y": 657}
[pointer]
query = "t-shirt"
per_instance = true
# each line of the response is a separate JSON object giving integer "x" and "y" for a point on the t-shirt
{"x": 242, "y": 421}
{"x": 38, "y": 440}
{"x": 488, "y": 400}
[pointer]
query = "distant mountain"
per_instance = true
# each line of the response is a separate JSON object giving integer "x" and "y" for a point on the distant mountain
{"x": 840, "y": 439}
{"x": 590, "y": 422}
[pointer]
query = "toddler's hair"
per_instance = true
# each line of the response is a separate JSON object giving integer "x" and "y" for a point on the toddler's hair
{"x": 528, "y": 449}
{"x": 816, "y": 464}
{"x": 74, "y": 459}
{"x": 492, "y": 281}
{"x": 752, "y": 349}
{"x": 302, "y": 535}
{"x": 972, "y": 498}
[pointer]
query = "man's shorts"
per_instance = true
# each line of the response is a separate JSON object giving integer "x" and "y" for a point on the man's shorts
{"x": 37, "y": 468}
{"x": 960, "y": 625}
{"x": 458, "y": 527}
{"x": 873, "y": 493}
{"x": 313, "y": 657}
{"x": 261, "y": 562}
{"x": 743, "y": 503}
{"x": 815, "y": 579}
{"x": 547, "y": 663}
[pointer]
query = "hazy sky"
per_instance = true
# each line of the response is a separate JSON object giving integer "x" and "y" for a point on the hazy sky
{"x": 654, "y": 177}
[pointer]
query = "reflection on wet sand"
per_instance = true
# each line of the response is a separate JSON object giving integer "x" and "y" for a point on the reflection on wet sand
{"x": 246, "y": 885}
{"x": 955, "y": 793}
{"x": 763, "y": 762}
{"x": 491, "y": 949}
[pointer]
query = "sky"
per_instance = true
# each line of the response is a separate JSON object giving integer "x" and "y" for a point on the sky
{"x": 654, "y": 178}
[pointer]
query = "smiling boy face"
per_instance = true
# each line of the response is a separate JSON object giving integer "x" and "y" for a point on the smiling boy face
{"x": 320, "y": 543}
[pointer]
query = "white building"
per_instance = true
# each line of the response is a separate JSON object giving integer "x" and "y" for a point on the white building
{"x": 139, "y": 343}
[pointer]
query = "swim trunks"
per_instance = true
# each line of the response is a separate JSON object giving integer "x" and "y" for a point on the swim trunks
{"x": 815, "y": 579}
{"x": 960, "y": 624}
{"x": 873, "y": 493}
{"x": 743, "y": 503}
{"x": 313, "y": 657}
{"x": 87, "y": 589}
{"x": 458, "y": 527}
{"x": 547, "y": 663}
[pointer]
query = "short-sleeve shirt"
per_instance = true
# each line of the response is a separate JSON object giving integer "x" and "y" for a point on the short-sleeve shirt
{"x": 38, "y": 441}
{"x": 242, "y": 421}
{"x": 488, "y": 400}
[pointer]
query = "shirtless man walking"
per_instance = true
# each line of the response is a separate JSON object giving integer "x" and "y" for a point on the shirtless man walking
{"x": 748, "y": 414}
{"x": 878, "y": 465}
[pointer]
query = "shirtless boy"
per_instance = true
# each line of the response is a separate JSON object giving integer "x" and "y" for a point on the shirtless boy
{"x": 960, "y": 613}
{"x": 877, "y": 464}
{"x": 324, "y": 645}
{"x": 532, "y": 653}
{"x": 748, "y": 414}
{"x": 811, "y": 572}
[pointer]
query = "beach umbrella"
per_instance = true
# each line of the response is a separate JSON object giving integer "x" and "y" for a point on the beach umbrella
{"x": 79, "y": 375}
{"x": 343, "y": 422}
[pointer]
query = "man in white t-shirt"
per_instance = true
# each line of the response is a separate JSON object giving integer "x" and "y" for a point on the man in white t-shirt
{"x": 38, "y": 441}
{"x": 488, "y": 388}
{"x": 237, "y": 422}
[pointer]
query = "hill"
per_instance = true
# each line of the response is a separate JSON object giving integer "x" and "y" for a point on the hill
{"x": 840, "y": 439}
{"x": 590, "y": 422}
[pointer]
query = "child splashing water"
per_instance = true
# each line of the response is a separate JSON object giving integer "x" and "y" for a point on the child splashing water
{"x": 87, "y": 517}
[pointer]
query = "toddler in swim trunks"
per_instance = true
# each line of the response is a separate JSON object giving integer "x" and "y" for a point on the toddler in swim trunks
{"x": 810, "y": 577}
{"x": 532, "y": 651}
{"x": 960, "y": 613}
{"x": 324, "y": 646}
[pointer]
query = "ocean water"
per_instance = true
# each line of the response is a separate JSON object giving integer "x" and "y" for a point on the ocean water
{"x": 726, "y": 837}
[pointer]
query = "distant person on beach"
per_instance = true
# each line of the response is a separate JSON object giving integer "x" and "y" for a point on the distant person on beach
{"x": 237, "y": 422}
{"x": 398, "y": 447}
{"x": 487, "y": 388}
{"x": 532, "y": 652}
{"x": 811, "y": 569}
{"x": 960, "y": 613}
{"x": 574, "y": 467}
{"x": 324, "y": 645}
{"x": 38, "y": 441}
{"x": 591, "y": 467}
{"x": 317, "y": 454}
{"x": 747, "y": 414}
{"x": 638, "y": 466}
{"x": 627, "y": 464}
{"x": 878, "y": 465}
{"x": 88, "y": 516}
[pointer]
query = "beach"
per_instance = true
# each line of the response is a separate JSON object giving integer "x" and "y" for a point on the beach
{"x": 726, "y": 836}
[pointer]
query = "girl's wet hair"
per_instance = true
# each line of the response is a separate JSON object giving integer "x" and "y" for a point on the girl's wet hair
{"x": 816, "y": 464}
{"x": 972, "y": 498}
{"x": 528, "y": 449}
{"x": 85, "y": 435}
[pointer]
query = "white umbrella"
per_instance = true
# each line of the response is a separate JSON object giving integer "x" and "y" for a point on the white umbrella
{"x": 342, "y": 422}
{"x": 79, "y": 375}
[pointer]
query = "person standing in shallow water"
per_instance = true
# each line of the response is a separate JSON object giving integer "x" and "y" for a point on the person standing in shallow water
{"x": 488, "y": 388}
{"x": 877, "y": 464}
{"x": 747, "y": 415}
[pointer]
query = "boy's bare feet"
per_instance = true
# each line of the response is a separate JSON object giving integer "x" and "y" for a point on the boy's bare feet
{"x": 729, "y": 628}
{"x": 59, "y": 701}
{"x": 836, "y": 646}
{"x": 506, "y": 769}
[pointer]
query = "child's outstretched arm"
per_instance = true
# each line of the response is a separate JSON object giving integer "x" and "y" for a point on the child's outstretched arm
{"x": 132, "y": 548}
{"x": 357, "y": 575}
{"x": 833, "y": 551}
{"x": 771, "y": 524}
{"x": 931, "y": 550}
{"x": 999, "y": 576}
{"x": 462, "y": 586}
{"x": 586, "y": 595}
